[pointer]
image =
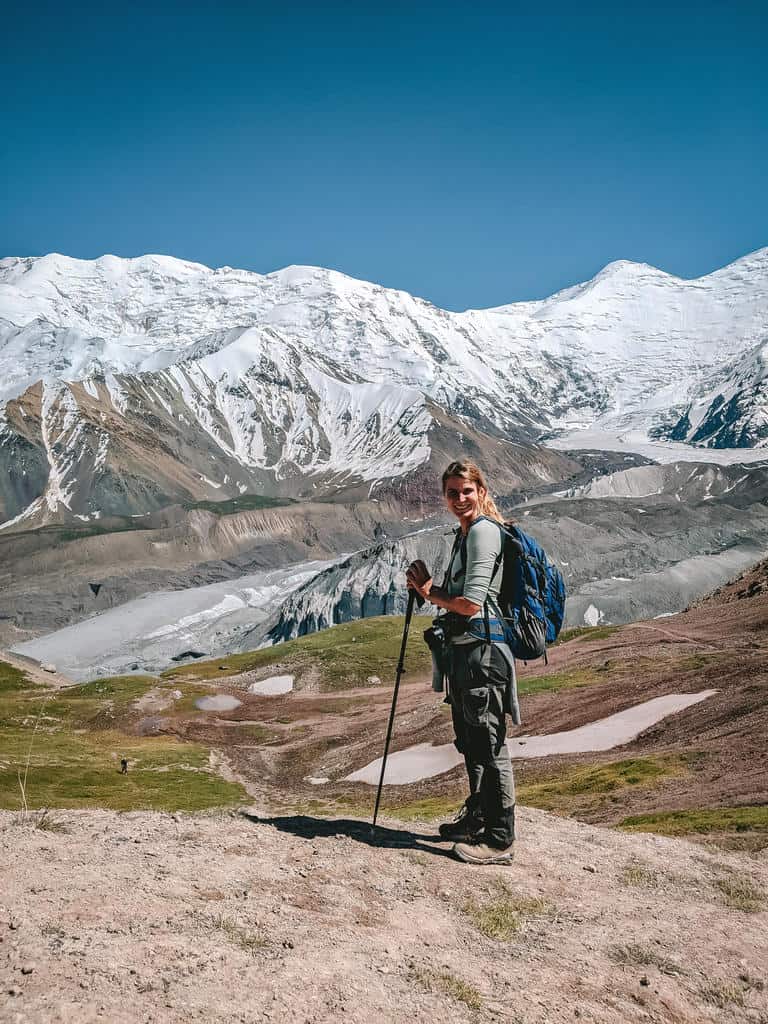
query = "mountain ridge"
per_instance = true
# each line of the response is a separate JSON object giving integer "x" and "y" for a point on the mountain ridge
{"x": 311, "y": 376}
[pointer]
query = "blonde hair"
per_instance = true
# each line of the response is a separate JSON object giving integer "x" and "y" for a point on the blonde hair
{"x": 472, "y": 472}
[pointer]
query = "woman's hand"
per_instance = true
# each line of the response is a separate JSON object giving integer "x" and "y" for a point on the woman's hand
{"x": 419, "y": 578}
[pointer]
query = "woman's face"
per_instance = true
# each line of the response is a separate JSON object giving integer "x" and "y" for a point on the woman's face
{"x": 463, "y": 498}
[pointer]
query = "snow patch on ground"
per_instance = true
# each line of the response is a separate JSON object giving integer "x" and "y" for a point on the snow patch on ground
{"x": 272, "y": 687}
{"x": 219, "y": 702}
{"x": 592, "y": 616}
{"x": 424, "y": 760}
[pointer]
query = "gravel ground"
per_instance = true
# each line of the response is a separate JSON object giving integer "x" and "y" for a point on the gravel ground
{"x": 231, "y": 917}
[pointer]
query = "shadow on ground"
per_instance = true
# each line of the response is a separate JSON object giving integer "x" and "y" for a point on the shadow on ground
{"x": 326, "y": 828}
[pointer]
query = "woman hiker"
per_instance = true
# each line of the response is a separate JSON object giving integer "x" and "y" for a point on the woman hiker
{"x": 480, "y": 667}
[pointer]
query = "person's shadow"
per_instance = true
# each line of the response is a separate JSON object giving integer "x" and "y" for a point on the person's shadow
{"x": 361, "y": 831}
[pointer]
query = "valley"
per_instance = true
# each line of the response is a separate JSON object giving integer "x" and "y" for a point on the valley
{"x": 697, "y": 771}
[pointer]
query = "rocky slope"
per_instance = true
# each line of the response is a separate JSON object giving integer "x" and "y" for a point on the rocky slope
{"x": 729, "y": 408}
{"x": 45, "y": 575}
{"x": 67, "y": 451}
{"x": 130, "y": 917}
{"x": 634, "y": 543}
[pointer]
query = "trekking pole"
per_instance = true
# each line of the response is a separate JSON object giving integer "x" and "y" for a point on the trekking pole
{"x": 400, "y": 670}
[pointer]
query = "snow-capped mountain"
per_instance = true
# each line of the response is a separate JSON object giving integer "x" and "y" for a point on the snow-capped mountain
{"x": 131, "y": 381}
{"x": 729, "y": 408}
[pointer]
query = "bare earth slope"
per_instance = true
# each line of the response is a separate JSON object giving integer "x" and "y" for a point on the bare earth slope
{"x": 154, "y": 917}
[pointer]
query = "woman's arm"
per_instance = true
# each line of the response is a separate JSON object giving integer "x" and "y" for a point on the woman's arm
{"x": 419, "y": 579}
{"x": 460, "y": 605}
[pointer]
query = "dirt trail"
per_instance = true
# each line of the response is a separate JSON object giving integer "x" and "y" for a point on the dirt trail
{"x": 226, "y": 918}
{"x": 676, "y": 636}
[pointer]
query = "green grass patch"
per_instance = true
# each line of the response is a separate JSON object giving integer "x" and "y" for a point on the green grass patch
{"x": 437, "y": 808}
{"x": 243, "y": 503}
{"x": 102, "y": 704}
{"x": 434, "y": 808}
{"x": 343, "y": 656}
{"x": 504, "y": 913}
{"x": 68, "y": 770}
{"x": 585, "y": 633}
{"x": 447, "y": 984}
{"x": 186, "y": 704}
{"x": 696, "y": 662}
{"x": 120, "y": 689}
{"x": 257, "y": 734}
{"x": 66, "y": 745}
{"x": 589, "y": 786}
{"x": 700, "y": 820}
{"x": 570, "y": 679}
{"x": 13, "y": 679}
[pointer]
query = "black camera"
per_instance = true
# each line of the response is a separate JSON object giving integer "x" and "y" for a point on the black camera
{"x": 435, "y": 636}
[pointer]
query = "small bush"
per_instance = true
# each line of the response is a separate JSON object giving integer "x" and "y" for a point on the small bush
{"x": 640, "y": 875}
{"x": 45, "y": 822}
{"x": 504, "y": 913}
{"x": 251, "y": 942}
{"x": 723, "y": 993}
{"x": 635, "y": 955}
{"x": 739, "y": 892}
{"x": 449, "y": 984}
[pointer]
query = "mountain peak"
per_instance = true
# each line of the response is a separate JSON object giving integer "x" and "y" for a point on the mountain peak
{"x": 627, "y": 268}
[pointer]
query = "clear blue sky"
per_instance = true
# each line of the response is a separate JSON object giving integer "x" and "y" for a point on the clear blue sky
{"x": 474, "y": 155}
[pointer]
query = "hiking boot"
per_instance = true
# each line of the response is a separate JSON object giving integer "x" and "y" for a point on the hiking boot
{"x": 481, "y": 853}
{"x": 465, "y": 827}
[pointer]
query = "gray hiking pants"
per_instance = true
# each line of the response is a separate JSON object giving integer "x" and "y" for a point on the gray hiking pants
{"x": 479, "y": 674}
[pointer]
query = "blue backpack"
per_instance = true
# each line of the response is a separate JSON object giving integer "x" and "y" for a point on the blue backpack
{"x": 532, "y": 595}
